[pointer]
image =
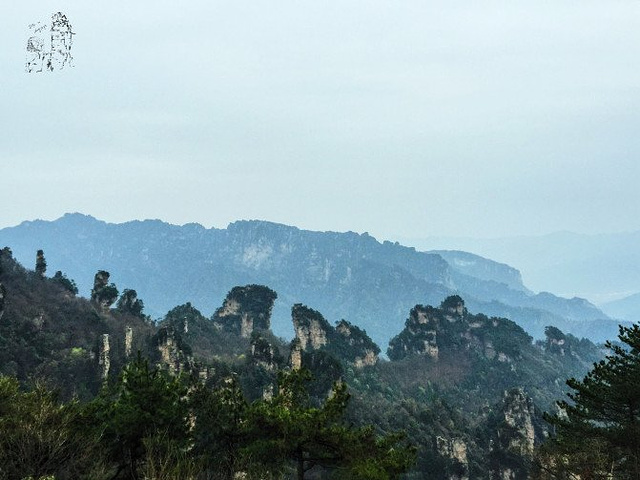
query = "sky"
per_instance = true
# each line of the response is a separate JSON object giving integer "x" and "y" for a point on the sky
{"x": 403, "y": 119}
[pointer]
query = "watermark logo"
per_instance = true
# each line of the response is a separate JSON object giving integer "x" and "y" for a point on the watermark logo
{"x": 49, "y": 45}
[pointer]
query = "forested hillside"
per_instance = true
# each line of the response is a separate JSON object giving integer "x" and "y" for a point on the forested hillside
{"x": 461, "y": 395}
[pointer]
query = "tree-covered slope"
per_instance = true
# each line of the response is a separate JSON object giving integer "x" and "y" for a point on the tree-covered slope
{"x": 468, "y": 389}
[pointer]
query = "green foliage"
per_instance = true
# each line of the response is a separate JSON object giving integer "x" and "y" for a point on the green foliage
{"x": 130, "y": 303}
{"x": 167, "y": 459}
{"x": 107, "y": 295}
{"x": 145, "y": 402}
{"x": 290, "y": 429}
{"x": 325, "y": 370}
{"x": 221, "y": 426}
{"x": 369, "y": 456}
{"x": 553, "y": 333}
{"x": 103, "y": 293}
{"x": 251, "y": 301}
{"x": 165, "y": 333}
{"x": 46, "y": 332}
{"x": 603, "y": 415}
{"x": 452, "y": 302}
{"x": 66, "y": 283}
{"x": 39, "y": 436}
{"x": 508, "y": 337}
{"x": 350, "y": 341}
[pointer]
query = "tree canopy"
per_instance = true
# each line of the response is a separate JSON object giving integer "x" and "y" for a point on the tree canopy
{"x": 598, "y": 428}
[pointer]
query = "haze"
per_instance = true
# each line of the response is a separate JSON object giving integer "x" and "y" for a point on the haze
{"x": 403, "y": 119}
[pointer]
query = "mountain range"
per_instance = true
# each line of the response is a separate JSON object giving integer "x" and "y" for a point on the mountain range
{"x": 345, "y": 275}
{"x": 602, "y": 268}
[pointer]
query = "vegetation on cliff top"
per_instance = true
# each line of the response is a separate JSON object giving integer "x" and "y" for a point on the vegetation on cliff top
{"x": 451, "y": 406}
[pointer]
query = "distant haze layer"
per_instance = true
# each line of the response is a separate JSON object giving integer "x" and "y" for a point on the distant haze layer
{"x": 600, "y": 268}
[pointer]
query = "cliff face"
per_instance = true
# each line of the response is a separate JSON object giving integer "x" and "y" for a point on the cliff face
{"x": 310, "y": 326}
{"x": 104, "y": 358}
{"x": 475, "y": 266}
{"x": 246, "y": 309}
{"x": 455, "y": 450}
{"x": 205, "y": 339}
{"x": 428, "y": 330}
{"x": 419, "y": 336}
{"x": 346, "y": 341}
{"x": 358, "y": 348}
{"x": 174, "y": 353}
{"x": 264, "y": 354}
{"x": 516, "y": 431}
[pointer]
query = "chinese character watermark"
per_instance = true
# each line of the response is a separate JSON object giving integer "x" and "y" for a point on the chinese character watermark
{"x": 49, "y": 45}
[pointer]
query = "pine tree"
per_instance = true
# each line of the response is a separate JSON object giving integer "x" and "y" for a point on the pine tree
{"x": 602, "y": 416}
{"x": 290, "y": 429}
{"x": 145, "y": 403}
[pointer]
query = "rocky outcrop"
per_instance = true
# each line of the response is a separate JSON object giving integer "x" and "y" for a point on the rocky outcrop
{"x": 475, "y": 266}
{"x": 310, "y": 327}
{"x": 356, "y": 346}
{"x": 344, "y": 275}
{"x": 130, "y": 303}
{"x": 345, "y": 341}
{"x": 128, "y": 341}
{"x": 454, "y": 308}
{"x": 515, "y": 437}
{"x": 246, "y": 309}
{"x": 295, "y": 359}
{"x": 175, "y": 355}
{"x": 267, "y": 393}
{"x": 419, "y": 336}
{"x": 429, "y": 331}
{"x": 368, "y": 360}
{"x": 518, "y": 416}
{"x": 263, "y": 353}
{"x": 555, "y": 341}
{"x": 103, "y": 293}
{"x": 38, "y": 320}
{"x": 104, "y": 356}
{"x": 455, "y": 450}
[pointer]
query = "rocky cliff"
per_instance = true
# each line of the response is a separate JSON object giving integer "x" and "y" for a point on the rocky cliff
{"x": 429, "y": 329}
{"x": 516, "y": 430}
{"x": 346, "y": 341}
{"x": 246, "y": 309}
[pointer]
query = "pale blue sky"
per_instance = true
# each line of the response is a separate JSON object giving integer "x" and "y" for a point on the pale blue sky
{"x": 404, "y": 119}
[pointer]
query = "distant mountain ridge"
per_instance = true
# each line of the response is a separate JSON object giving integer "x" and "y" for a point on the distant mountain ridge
{"x": 601, "y": 267}
{"x": 344, "y": 275}
{"x": 627, "y": 308}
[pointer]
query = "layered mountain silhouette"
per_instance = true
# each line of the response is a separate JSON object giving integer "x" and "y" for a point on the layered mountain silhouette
{"x": 626, "y": 308}
{"x": 345, "y": 275}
